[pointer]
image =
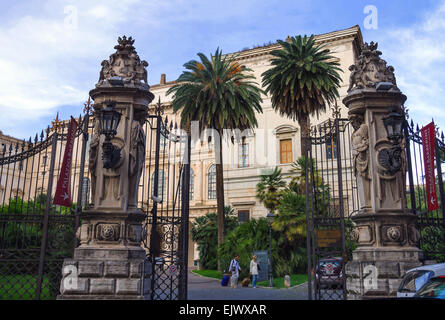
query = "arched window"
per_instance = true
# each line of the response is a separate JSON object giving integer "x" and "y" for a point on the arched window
{"x": 161, "y": 184}
{"x": 212, "y": 182}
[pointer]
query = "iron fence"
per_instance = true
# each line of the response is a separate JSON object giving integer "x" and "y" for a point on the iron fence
{"x": 35, "y": 235}
{"x": 430, "y": 224}
{"x": 332, "y": 200}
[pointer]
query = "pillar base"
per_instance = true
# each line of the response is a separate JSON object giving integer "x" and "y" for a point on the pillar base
{"x": 375, "y": 279}
{"x": 97, "y": 274}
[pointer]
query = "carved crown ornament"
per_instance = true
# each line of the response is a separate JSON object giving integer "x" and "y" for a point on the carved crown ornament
{"x": 370, "y": 70}
{"x": 124, "y": 67}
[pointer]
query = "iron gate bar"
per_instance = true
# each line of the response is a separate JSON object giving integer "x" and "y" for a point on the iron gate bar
{"x": 154, "y": 209}
{"x": 46, "y": 216}
{"x": 79, "y": 208}
{"x": 440, "y": 177}
{"x": 308, "y": 227}
{"x": 340, "y": 194}
{"x": 183, "y": 294}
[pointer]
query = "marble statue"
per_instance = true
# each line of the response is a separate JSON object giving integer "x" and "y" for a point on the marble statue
{"x": 360, "y": 149}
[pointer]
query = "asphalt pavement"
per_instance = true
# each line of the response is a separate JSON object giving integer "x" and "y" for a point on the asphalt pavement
{"x": 203, "y": 288}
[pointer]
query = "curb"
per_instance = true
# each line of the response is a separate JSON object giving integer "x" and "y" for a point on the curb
{"x": 197, "y": 274}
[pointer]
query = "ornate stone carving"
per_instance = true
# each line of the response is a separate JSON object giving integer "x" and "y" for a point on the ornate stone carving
{"x": 124, "y": 64}
{"x": 392, "y": 235}
{"x": 391, "y": 171}
{"x": 370, "y": 69}
{"x": 112, "y": 177}
{"x": 137, "y": 157}
{"x": 413, "y": 234}
{"x": 365, "y": 234}
{"x": 360, "y": 150}
{"x": 355, "y": 235}
{"x": 391, "y": 160}
{"x": 107, "y": 232}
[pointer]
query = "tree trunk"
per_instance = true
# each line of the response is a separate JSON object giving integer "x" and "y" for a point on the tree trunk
{"x": 304, "y": 135}
{"x": 220, "y": 194}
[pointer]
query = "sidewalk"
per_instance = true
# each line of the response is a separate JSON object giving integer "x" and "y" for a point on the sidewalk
{"x": 203, "y": 288}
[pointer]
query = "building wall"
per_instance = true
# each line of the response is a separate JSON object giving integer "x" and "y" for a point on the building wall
{"x": 264, "y": 154}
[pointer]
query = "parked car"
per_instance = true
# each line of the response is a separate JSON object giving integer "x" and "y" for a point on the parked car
{"x": 329, "y": 274}
{"x": 415, "y": 278}
{"x": 434, "y": 288}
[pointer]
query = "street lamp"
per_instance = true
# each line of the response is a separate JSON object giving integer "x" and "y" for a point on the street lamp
{"x": 393, "y": 126}
{"x": 109, "y": 121}
{"x": 270, "y": 217}
{"x": 391, "y": 158}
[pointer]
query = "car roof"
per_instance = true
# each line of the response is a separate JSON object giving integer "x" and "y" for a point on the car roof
{"x": 438, "y": 269}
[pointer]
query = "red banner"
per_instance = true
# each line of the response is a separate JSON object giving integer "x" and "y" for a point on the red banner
{"x": 428, "y": 143}
{"x": 63, "y": 189}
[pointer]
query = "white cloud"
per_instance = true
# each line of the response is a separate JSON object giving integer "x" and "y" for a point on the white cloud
{"x": 417, "y": 52}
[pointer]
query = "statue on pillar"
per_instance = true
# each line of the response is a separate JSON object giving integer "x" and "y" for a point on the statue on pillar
{"x": 360, "y": 150}
{"x": 137, "y": 158}
{"x": 93, "y": 154}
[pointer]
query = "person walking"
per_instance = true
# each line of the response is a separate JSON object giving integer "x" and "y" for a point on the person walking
{"x": 235, "y": 269}
{"x": 254, "y": 268}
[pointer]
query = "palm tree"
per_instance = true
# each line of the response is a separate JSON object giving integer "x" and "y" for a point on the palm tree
{"x": 298, "y": 182}
{"x": 303, "y": 78}
{"x": 219, "y": 94}
{"x": 269, "y": 189}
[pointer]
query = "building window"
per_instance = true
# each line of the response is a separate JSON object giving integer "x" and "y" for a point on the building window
{"x": 161, "y": 183}
{"x": 243, "y": 216}
{"x": 331, "y": 147}
{"x": 243, "y": 154}
{"x": 212, "y": 182}
{"x": 44, "y": 159}
{"x": 286, "y": 151}
{"x": 192, "y": 184}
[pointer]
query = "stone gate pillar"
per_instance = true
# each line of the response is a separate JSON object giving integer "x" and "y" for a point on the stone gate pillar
{"x": 384, "y": 228}
{"x": 109, "y": 262}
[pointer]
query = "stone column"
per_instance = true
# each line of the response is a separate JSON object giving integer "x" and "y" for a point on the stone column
{"x": 109, "y": 262}
{"x": 384, "y": 228}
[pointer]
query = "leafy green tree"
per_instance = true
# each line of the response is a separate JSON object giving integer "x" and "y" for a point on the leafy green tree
{"x": 291, "y": 218}
{"x": 298, "y": 182}
{"x": 205, "y": 232}
{"x": 254, "y": 235}
{"x": 269, "y": 189}
{"x": 219, "y": 93}
{"x": 303, "y": 78}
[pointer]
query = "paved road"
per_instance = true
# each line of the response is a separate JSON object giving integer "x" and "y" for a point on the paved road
{"x": 200, "y": 288}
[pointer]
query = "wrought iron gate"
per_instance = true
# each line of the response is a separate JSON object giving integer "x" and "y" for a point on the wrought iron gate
{"x": 35, "y": 235}
{"x": 431, "y": 225}
{"x": 165, "y": 199}
{"x": 332, "y": 200}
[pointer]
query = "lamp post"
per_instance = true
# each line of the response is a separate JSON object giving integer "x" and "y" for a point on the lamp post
{"x": 109, "y": 120}
{"x": 270, "y": 217}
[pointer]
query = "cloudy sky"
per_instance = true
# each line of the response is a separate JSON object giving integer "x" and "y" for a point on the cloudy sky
{"x": 52, "y": 49}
